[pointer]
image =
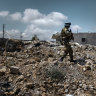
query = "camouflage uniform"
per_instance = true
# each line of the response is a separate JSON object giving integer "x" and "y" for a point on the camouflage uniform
{"x": 66, "y": 37}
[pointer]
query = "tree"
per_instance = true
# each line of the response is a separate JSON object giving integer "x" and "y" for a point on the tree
{"x": 35, "y": 38}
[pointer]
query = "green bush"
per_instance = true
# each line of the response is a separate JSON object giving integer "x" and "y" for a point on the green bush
{"x": 35, "y": 38}
{"x": 55, "y": 73}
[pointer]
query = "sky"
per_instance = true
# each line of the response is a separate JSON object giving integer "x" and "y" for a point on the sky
{"x": 46, "y": 17}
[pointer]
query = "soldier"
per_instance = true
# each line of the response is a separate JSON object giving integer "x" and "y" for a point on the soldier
{"x": 66, "y": 37}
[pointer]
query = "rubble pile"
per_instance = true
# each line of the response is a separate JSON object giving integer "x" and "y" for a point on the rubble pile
{"x": 37, "y": 71}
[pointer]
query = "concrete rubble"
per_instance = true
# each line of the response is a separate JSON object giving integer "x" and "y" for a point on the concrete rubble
{"x": 37, "y": 71}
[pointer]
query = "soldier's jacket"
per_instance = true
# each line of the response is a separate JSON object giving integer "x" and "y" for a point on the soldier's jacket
{"x": 66, "y": 35}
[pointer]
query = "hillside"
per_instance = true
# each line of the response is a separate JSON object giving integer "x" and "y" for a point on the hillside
{"x": 37, "y": 71}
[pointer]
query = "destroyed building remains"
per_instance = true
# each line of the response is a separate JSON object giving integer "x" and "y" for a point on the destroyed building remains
{"x": 82, "y": 38}
{"x": 37, "y": 71}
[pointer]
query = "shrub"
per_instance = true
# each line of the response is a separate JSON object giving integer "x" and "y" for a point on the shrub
{"x": 55, "y": 73}
{"x": 35, "y": 38}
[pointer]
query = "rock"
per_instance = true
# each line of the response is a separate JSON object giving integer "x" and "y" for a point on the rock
{"x": 20, "y": 78}
{"x": 91, "y": 87}
{"x": 17, "y": 90}
{"x": 66, "y": 90}
{"x": 69, "y": 95}
{"x": 44, "y": 75}
{"x": 14, "y": 70}
{"x": 43, "y": 89}
{"x": 87, "y": 67}
{"x": 26, "y": 94}
{"x": 30, "y": 86}
{"x": 50, "y": 59}
{"x": 28, "y": 75}
{"x": 37, "y": 44}
{"x": 1, "y": 93}
{"x": 74, "y": 87}
{"x": 84, "y": 86}
{"x": 9, "y": 58}
{"x": 10, "y": 79}
{"x": 37, "y": 92}
{"x": 2, "y": 71}
{"x": 89, "y": 62}
{"x": 85, "y": 94}
{"x": 44, "y": 94}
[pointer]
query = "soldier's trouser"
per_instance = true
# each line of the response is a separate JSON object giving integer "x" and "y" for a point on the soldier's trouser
{"x": 67, "y": 50}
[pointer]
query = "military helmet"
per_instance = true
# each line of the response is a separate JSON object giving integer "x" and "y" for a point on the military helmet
{"x": 67, "y": 24}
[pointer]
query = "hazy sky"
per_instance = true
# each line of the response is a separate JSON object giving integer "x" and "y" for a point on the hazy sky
{"x": 45, "y": 17}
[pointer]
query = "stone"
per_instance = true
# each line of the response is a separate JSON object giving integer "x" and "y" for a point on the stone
{"x": 2, "y": 71}
{"x": 84, "y": 86}
{"x": 89, "y": 62}
{"x": 87, "y": 67}
{"x": 91, "y": 87}
{"x": 43, "y": 89}
{"x": 14, "y": 70}
{"x": 37, "y": 92}
{"x": 36, "y": 65}
{"x": 74, "y": 87}
{"x": 44, "y": 94}
{"x": 50, "y": 59}
{"x": 20, "y": 78}
{"x": 30, "y": 85}
{"x": 10, "y": 79}
{"x": 1, "y": 93}
{"x": 66, "y": 90}
{"x": 69, "y": 95}
{"x": 16, "y": 91}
